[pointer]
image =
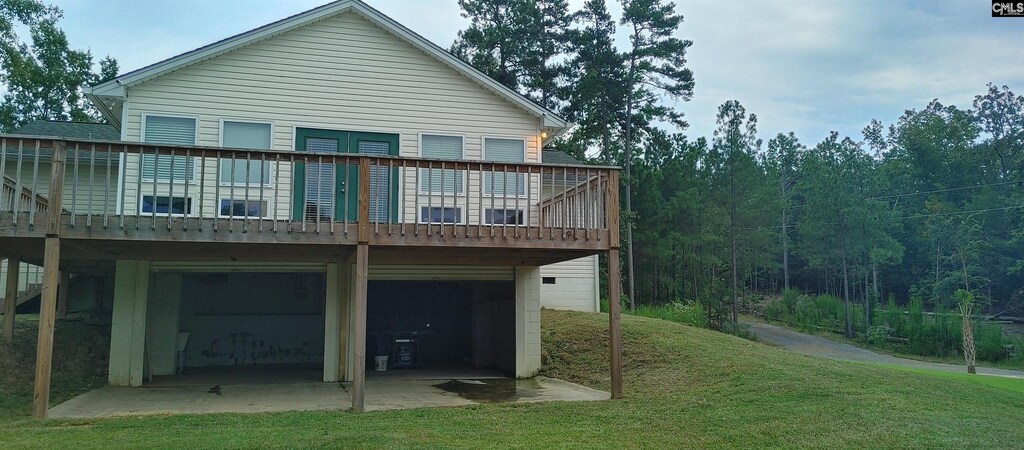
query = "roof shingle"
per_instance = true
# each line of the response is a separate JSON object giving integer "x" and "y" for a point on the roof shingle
{"x": 70, "y": 130}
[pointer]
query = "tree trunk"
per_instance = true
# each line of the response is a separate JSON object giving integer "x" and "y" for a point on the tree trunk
{"x": 630, "y": 283}
{"x": 867, "y": 304}
{"x": 874, "y": 282}
{"x": 846, "y": 300}
{"x": 969, "y": 351}
{"x": 735, "y": 313}
{"x": 785, "y": 250}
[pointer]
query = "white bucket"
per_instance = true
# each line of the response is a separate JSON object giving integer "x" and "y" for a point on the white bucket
{"x": 380, "y": 363}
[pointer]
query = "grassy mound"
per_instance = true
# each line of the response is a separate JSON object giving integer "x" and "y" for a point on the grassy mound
{"x": 79, "y": 363}
{"x": 685, "y": 387}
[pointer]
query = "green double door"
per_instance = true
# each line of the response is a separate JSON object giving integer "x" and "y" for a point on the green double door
{"x": 318, "y": 187}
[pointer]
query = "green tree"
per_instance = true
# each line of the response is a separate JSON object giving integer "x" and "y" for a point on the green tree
{"x": 595, "y": 91}
{"x": 832, "y": 233}
{"x": 738, "y": 182}
{"x": 783, "y": 161}
{"x": 655, "y": 68}
{"x": 517, "y": 42}
{"x": 43, "y": 80}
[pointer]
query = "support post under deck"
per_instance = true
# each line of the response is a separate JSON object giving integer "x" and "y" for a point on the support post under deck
{"x": 11, "y": 297}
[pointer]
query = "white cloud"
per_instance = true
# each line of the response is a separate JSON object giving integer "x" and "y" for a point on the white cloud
{"x": 804, "y": 66}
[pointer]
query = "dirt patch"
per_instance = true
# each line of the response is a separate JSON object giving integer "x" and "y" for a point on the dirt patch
{"x": 80, "y": 355}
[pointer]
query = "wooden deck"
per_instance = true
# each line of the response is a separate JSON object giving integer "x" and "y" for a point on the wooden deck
{"x": 557, "y": 212}
{"x": 395, "y": 213}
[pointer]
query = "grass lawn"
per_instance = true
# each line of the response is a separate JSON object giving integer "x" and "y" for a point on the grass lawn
{"x": 685, "y": 387}
{"x": 1010, "y": 384}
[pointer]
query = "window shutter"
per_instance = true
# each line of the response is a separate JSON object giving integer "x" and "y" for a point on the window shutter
{"x": 441, "y": 147}
{"x": 170, "y": 131}
{"x": 504, "y": 150}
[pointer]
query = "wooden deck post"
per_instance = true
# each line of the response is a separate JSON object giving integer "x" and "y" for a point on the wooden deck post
{"x": 359, "y": 291}
{"x": 614, "y": 283}
{"x": 47, "y": 314}
{"x": 11, "y": 297}
{"x": 359, "y": 335}
{"x": 51, "y": 278}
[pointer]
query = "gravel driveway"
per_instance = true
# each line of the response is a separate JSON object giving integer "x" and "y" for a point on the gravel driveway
{"x": 812, "y": 345}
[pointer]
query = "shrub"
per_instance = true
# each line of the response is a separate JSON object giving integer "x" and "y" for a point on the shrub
{"x": 690, "y": 313}
{"x": 789, "y": 299}
{"x": 989, "y": 342}
{"x": 879, "y": 335}
{"x": 738, "y": 329}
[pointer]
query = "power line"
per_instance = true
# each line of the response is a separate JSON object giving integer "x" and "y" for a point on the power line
{"x": 910, "y": 194}
{"x": 916, "y": 216}
{"x": 954, "y": 213}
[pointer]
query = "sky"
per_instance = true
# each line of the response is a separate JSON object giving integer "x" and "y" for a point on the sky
{"x": 807, "y": 66}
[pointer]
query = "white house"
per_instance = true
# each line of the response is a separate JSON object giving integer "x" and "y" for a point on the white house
{"x": 313, "y": 193}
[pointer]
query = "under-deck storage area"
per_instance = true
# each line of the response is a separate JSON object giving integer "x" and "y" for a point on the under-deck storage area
{"x": 441, "y": 324}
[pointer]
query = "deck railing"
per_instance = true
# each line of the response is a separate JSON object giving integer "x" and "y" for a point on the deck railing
{"x": 20, "y": 198}
{"x": 185, "y": 190}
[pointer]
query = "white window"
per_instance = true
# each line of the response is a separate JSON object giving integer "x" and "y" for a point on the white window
{"x": 252, "y": 135}
{"x": 170, "y": 131}
{"x": 437, "y": 214}
{"x": 505, "y": 183}
{"x": 243, "y": 208}
{"x": 503, "y": 216}
{"x": 436, "y": 180}
{"x": 162, "y": 204}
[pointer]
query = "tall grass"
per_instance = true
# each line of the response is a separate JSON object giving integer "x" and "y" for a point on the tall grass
{"x": 692, "y": 314}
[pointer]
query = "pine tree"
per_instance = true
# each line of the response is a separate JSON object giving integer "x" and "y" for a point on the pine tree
{"x": 595, "y": 91}
{"x": 655, "y": 68}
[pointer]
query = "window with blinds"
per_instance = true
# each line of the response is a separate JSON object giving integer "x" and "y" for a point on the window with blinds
{"x": 380, "y": 181}
{"x": 245, "y": 135}
{"x": 505, "y": 183}
{"x": 169, "y": 131}
{"x": 441, "y": 181}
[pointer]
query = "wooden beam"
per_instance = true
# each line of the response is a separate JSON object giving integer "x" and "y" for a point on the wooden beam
{"x": 345, "y": 322}
{"x": 47, "y": 313}
{"x": 56, "y": 192}
{"x": 62, "y": 294}
{"x": 364, "y": 201}
{"x": 614, "y": 318}
{"x": 611, "y": 208}
{"x": 359, "y": 335}
{"x": 11, "y": 297}
{"x": 332, "y": 324}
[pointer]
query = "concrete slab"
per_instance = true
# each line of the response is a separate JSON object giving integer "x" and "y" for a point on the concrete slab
{"x": 381, "y": 394}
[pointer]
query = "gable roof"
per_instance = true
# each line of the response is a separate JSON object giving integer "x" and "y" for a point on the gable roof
{"x": 117, "y": 87}
{"x": 70, "y": 130}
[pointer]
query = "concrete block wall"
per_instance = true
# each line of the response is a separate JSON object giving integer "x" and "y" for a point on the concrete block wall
{"x": 527, "y": 321}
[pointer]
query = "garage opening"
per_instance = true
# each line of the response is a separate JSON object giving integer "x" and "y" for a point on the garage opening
{"x": 440, "y": 327}
{"x": 249, "y": 327}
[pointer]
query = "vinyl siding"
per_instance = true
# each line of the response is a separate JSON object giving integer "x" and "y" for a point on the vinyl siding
{"x": 342, "y": 73}
{"x": 575, "y": 285}
{"x": 29, "y": 274}
{"x": 85, "y": 190}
